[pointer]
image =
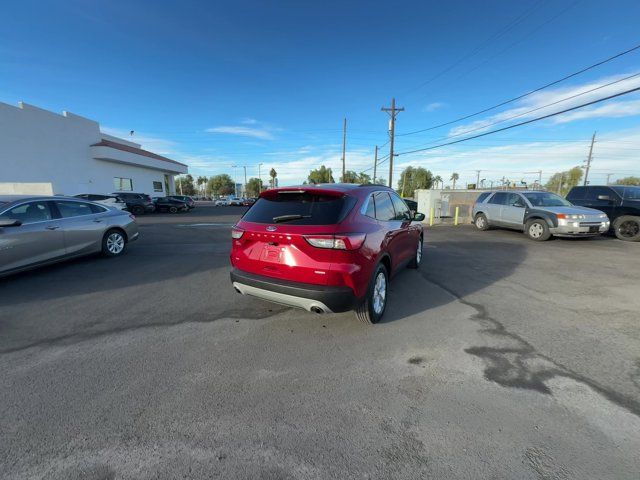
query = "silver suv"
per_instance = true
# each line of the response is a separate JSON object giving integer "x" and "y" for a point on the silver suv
{"x": 539, "y": 214}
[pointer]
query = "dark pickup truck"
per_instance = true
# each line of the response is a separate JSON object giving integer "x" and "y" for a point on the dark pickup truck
{"x": 621, "y": 203}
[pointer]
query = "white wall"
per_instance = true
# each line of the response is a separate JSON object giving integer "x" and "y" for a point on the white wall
{"x": 38, "y": 146}
{"x": 26, "y": 189}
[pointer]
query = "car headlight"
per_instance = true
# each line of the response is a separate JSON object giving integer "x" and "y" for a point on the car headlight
{"x": 603, "y": 215}
{"x": 575, "y": 217}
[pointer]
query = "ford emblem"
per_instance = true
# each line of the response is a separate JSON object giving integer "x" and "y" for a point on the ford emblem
{"x": 271, "y": 228}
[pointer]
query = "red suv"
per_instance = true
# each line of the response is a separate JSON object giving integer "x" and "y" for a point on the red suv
{"x": 325, "y": 248}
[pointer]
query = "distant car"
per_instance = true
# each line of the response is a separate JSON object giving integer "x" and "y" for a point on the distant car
{"x": 137, "y": 203}
{"x": 221, "y": 202}
{"x": 539, "y": 214}
{"x": 235, "y": 202}
{"x": 36, "y": 231}
{"x": 184, "y": 198}
{"x": 107, "y": 200}
{"x": 621, "y": 204}
{"x": 171, "y": 205}
{"x": 247, "y": 202}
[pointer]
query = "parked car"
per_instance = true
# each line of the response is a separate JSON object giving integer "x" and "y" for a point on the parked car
{"x": 235, "y": 202}
{"x": 36, "y": 231}
{"x": 137, "y": 203}
{"x": 539, "y": 214}
{"x": 621, "y": 204}
{"x": 247, "y": 202}
{"x": 184, "y": 198}
{"x": 107, "y": 200}
{"x": 170, "y": 204}
{"x": 325, "y": 248}
{"x": 221, "y": 202}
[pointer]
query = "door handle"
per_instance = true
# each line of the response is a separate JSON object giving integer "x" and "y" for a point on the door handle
{"x": 52, "y": 227}
{"x": 97, "y": 221}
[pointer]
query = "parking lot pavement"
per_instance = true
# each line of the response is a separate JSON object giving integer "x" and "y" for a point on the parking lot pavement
{"x": 499, "y": 358}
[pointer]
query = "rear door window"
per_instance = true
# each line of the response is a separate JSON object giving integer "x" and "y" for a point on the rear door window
{"x": 482, "y": 197}
{"x": 75, "y": 209}
{"x": 301, "y": 208}
{"x": 384, "y": 207}
{"x": 500, "y": 198}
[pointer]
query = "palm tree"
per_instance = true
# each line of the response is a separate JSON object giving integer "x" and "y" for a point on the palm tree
{"x": 454, "y": 179}
{"x": 273, "y": 174}
{"x": 202, "y": 181}
{"x": 436, "y": 180}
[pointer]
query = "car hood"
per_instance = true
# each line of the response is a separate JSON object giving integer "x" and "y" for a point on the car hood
{"x": 573, "y": 210}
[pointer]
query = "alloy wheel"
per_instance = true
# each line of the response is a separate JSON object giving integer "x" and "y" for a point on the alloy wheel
{"x": 536, "y": 230}
{"x": 419, "y": 252}
{"x": 629, "y": 229}
{"x": 115, "y": 243}
{"x": 380, "y": 293}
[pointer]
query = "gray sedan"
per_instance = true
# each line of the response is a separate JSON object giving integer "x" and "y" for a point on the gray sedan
{"x": 36, "y": 231}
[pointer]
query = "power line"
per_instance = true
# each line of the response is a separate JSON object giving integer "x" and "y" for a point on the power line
{"x": 481, "y": 127}
{"x": 506, "y": 102}
{"x": 593, "y": 102}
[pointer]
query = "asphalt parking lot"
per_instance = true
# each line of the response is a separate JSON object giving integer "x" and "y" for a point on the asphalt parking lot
{"x": 499, "y": 358}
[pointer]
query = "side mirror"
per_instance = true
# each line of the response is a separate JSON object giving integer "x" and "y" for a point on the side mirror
{"x": 10, "y": 223}
{"x": 419, "y": 217}
{"x": 604, "y": 197}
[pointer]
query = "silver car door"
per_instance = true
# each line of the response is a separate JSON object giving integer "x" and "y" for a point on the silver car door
{"x": 83, "y": 225}
{"x": 37, "y": 238}
{"x": 512, "y": 212}
{"x": 494, "y": 205}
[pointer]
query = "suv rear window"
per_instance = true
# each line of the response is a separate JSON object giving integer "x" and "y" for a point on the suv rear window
{"x": 315, "y": 209}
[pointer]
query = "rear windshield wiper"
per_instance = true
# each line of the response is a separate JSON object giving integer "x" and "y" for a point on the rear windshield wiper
{"x": 286, "y": 218}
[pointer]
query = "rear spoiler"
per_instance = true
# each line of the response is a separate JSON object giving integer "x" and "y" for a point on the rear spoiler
{"x": 299, "y": 190}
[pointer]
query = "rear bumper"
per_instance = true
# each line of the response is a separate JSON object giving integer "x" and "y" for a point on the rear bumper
{"x": 309, "y": 297}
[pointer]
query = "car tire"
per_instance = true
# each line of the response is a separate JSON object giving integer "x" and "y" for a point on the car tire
{"x": 371, "y": 310}
{"x": 537, "y": 229}
{"x": 627, "y": 228}
{"x": 481, "y": 222}
{"x": 417, "y": 258}
{"x": 173, "y": 210}
{"x": 137, "y": 210}
{"x": 114, "y": 243}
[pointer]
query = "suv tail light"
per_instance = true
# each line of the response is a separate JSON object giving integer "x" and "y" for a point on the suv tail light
{"x": 349, "y": 241}
{"x": 236, "y": 233}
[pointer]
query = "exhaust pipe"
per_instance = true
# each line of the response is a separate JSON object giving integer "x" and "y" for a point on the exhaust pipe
{"x": 237, "y": 290}
{"x": 317, "y": 310}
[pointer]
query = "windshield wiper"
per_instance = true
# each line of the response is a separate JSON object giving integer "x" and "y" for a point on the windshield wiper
{"x": 286, "y": 218}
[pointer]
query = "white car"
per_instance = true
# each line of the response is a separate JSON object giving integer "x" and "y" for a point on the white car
{"x": 221, "y": 202}
{"x": 106, "y": 200}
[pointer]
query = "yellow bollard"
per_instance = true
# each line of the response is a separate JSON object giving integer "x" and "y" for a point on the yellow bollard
{"x": 432, "y": 213}
{"x": 455, "y": 220}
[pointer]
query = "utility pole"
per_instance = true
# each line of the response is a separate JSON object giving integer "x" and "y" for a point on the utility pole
{"x": 608, "y": 177}
{"x": 245, "y": 179}
{"x": 561, "y": 184}
{"x": 393, "y": 111}
{"x": 344, "y": 147}
{"x": 586, "y": 169}
{"x": 539, "y": 179}
{"x": 260, "y": 177}
{"x": 478, "y": 179}
{"x": 375, "y": 164}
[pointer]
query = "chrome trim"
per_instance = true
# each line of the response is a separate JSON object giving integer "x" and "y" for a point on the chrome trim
{"x": 281, "y": 298}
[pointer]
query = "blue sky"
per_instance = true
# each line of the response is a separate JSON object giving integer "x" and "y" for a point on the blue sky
{"x": 218, "y": 84}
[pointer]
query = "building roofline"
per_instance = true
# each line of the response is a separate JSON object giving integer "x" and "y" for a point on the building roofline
{"x": 139, "y": 151}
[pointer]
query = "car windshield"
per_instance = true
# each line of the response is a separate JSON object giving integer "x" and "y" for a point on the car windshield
{"x": 300, "y": 208}
{"x": 546, "y": 199}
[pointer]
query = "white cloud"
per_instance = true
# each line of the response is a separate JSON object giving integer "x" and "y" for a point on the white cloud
{"x": 432, "y": 107}
{"x": 537, "y": 102}
{"x": 260, "y": 133}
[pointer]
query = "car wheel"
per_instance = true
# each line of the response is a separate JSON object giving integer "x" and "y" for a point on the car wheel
{"x": 627, "y": 228}
{"x": 417, "y": 258}
{"x": 137, "y": 210}
{"x": 481, "y": 222}
{"x": 375, "y": 301}
{"x": 538, "y": 230}
{"x": 173, "y": 209}
{"x": 114, "y": 243}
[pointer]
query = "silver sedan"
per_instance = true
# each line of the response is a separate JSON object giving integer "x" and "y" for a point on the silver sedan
{"x": 40, "y": 230}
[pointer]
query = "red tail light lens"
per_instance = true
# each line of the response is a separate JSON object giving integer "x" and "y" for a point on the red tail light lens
{"x": 348, "y": 241}
{"x": 236, "y": 233}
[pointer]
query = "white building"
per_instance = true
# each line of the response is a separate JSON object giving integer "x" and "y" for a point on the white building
{"x": 44, "y": 152}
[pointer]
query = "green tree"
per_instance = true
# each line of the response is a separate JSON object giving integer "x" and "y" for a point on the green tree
{"x": 321, "y": 175}
{"x": 412, "y": 179}
{"x": 562, "y": 182}
{"x": 352, "y": 177}
{"x": 184, "y": 185}
{"x": 454, "y": 178}
{"x": 273, "y": 174}
{"x": 628, "y": 181}
{"x": 254, "y": 187}
{"x": 201, "y": 182}
{"x": 220, "y": 185}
